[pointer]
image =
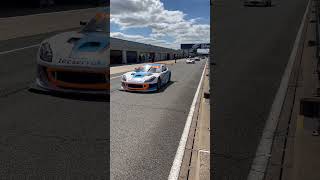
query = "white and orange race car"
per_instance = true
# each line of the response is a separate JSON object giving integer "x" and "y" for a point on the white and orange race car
{"x": 149, "y": 77}
{"x": 77, "y": 61}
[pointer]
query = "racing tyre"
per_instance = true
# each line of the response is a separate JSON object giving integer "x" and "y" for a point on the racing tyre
{"x": 159, "y": 84}
{"x": 169, "y": 79}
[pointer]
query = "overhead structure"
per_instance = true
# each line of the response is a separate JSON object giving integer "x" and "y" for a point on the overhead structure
{"x": 192, "y": 49}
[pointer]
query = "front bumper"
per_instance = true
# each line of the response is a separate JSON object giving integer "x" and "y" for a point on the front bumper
{"x": 39, "y": 86}
{"x": 72, "y": 81}
{"x": 141, "y": 87}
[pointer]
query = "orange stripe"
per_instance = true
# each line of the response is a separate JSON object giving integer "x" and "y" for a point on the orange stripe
{"x": 102, "y": 15}
{"x": 145, "y": 87}
{"x": 106, "y": 71}
{"x": 97, "y": 86}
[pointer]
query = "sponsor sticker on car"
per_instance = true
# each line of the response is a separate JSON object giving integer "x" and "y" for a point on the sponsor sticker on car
{"x": 84, "y": 62}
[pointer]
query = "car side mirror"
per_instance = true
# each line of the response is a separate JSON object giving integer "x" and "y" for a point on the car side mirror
{"x": 83, "y": 23}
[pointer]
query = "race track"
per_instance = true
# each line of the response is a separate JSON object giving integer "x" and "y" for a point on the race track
{"x": 146, "y": 127}
{"x": 56, "y": 136}
{"x": 252, "y": 48}
{"x": 44, "y": 135}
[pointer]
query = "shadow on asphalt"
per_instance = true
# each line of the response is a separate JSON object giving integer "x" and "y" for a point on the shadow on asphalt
{"x": 155, "y": 92}
{"x": 74, "y": 96}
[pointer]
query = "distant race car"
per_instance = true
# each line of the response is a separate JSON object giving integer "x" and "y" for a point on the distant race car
{"x": 190, "y": 61}
{"x": 197, "y": 59}
{"x": 150, "y": 77}
{"x": 76, "y": 61}
{"x": 257, "y": 2}
{"x": 202, "y": 57}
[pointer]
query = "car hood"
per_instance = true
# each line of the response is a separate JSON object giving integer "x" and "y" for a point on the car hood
{"x": 139, "y": 76}
{"x": 80, "y": 49}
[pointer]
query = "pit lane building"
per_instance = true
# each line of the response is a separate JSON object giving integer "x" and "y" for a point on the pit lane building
{"x": 128, "y": 52}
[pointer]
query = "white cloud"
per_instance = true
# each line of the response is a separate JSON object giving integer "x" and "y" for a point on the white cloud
{"x": 146, "y": 40}
{"x": 152, "y": 14}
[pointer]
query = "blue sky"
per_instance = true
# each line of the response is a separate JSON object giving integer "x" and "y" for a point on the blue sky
{"x": 165, "y": 23}
{"x": 193, "y": 8}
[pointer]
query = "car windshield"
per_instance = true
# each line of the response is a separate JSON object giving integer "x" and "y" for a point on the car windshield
{"x": 97, "y": 24}
{"x": 147, "y": 68}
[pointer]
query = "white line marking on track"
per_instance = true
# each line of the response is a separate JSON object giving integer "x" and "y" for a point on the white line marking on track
{"x": 175, "y": 169}
{"x": 19, "y": 49}
{"x": 204, "y": 151}
{"x": 260, "y": 162}
{"x": 115, "y": 77}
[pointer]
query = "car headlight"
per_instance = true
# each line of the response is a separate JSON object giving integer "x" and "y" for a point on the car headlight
{"x": 124, "y": 78}
{"x": 46, "y": 52}
{"x": 151, "y": 79}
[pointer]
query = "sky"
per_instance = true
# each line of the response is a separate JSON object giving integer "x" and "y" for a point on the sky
{"x": 166, "y": 23}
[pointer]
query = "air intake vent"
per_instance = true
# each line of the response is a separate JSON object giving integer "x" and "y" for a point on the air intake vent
{"x": 73, "y": 40}
{"x": 91, "y": 44}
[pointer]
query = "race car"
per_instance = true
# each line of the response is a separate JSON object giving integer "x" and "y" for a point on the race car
{"x": 197, "y": 59}
{"x": 257, "y": 2}
{"x": 76, "y": 61}
{"x": 149, "y": 77}
{"x": 190, "y": 61}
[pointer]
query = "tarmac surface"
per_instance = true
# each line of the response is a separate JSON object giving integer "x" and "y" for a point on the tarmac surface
{"x": 44, "y": 135}
{"x": 146, "y": 127}
{"x": 27, "y": 9}
{"x": 252, "y": 48}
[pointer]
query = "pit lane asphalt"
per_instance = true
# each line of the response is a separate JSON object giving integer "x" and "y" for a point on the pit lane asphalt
{"x": 252, "y": 47}
{"x": 146, "y": 127}
{"x": 46, "y": 135}
{"x": 42, "y": 135}
{"x": 24, "y": 10}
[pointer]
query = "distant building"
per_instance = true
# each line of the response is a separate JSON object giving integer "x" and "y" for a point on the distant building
{"x": 128, "y": 52}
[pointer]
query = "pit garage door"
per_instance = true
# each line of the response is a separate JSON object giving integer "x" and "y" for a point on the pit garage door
{"x": 115, "y": 57}
{"x": 132, "y": 57}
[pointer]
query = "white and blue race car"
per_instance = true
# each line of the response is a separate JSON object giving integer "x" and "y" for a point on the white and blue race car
{"x": 149, "y": 77}
{"x": 77, "y": 61}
